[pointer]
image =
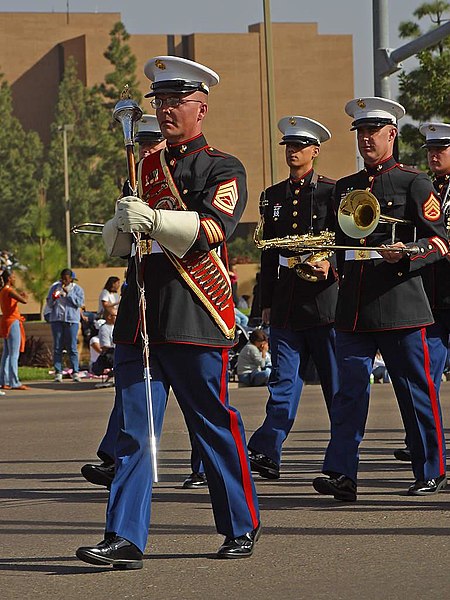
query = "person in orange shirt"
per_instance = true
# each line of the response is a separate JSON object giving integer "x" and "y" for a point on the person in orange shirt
{"x": 12, "y": 332}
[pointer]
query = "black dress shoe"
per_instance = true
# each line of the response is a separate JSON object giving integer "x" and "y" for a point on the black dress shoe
{"x": 115, "y": 551}
{"x": 403, "y": 454}
{"x": 427, "y": 488}
{"x": 263, "y": 465}
{"x": 240, "y": 547}
{"x": 340, "y": 486}
{"x": 195, "y": 481}
{"x": 99, "y": 474}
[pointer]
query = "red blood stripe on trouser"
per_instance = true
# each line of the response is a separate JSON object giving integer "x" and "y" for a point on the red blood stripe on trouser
{"x": 237, "y": 437}
{"x": 433, "y": 398}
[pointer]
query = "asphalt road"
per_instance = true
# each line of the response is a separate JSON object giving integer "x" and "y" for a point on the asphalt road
{"x": 385, "y": 546}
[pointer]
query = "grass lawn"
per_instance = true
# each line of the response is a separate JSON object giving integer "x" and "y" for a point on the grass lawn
{"x": 34, "y": 374}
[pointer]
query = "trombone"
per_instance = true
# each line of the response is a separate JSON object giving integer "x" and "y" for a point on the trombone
{"x": 92, "y": 228}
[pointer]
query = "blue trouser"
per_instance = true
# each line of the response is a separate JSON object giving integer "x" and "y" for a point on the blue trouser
{"x": 9, "y": 367}
{"x": 381, "y": 374}
{"x": 106, "y": 450}
{"x": 255, "y": 378}
{"x": 196, "y": 458}
{"x": 290, "y": 351}
{"x": 198, "y": 377}
{"x": 437, "y": 339}
{"x": 65, "y": 335}
{"x": 406, "y": 356}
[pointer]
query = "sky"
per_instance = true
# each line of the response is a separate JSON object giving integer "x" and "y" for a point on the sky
{"x": 220, "y": 16}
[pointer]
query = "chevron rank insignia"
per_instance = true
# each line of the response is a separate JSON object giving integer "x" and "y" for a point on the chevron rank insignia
{"x": 226, "y": 197}
{"x": 431, "y": 209}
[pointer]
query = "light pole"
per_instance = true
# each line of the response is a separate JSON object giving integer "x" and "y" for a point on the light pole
{"x": 388, "y": 61}
{"x": 65, "y": 128}
{"x": 270, "y": 90}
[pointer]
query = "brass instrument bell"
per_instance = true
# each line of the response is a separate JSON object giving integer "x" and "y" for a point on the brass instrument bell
{"x": 359, "y": 214}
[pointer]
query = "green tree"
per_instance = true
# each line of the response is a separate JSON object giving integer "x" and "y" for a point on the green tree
{"x": 20, "y": 172}
{"x": 43, "y": 256}
{"x": 96, "y": 157}
{"x": 424, "y": 91}
{"x": 124, "y": 62}
{"x": 92, "y": 188}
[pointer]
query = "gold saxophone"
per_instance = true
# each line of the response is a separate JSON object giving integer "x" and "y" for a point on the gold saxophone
{"x": 303, "y": 265}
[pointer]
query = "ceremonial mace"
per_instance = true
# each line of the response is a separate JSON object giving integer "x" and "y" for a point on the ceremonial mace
{"x": 127, "y": 112}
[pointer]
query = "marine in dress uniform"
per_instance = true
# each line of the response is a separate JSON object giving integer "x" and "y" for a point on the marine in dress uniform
{"x": 300, "y": 311}
{"x": 382, "y": 305}
{"x": 437, "y": 276}
{"x": 191, "y": 198}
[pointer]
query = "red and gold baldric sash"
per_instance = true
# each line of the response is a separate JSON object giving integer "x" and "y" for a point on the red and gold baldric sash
{"x": 204, "y": 272}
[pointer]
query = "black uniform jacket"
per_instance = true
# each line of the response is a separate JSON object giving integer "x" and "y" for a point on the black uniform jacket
{"x": 296, "y": 207}
{"x": 375, "y": 295}
{"x": 174, "y": 314}
{"x": 437, "y": 276}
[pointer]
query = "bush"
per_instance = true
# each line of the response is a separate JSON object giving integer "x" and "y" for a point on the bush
{"x": 36, "y": 354}
{"x": 243, "y": 250}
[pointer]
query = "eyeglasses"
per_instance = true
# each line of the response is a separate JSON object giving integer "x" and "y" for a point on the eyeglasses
{"x": 171, "y": 102}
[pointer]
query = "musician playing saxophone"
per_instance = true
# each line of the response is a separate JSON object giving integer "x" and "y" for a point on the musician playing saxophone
{"x": 382, "y": 305}
{"x": 300, "y": 311}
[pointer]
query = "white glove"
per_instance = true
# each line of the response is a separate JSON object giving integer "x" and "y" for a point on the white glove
{"x": 116, "y": 242}
{"x": 176, "y": 230}
{"x": 134, "y": 215}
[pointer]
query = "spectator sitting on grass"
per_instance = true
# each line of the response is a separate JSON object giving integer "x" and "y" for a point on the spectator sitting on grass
{"x": 106, "y": 343}
{"x": 243, "y": 302}
{"x": 379, "y": 371}
{"x": 254, "y": 363}
{"x": 94, "y": 350}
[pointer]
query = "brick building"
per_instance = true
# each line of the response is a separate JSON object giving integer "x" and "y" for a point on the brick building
{"x": 313, "y": 77}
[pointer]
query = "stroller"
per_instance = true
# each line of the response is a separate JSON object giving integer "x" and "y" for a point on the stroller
{"x": 241, "y": 338}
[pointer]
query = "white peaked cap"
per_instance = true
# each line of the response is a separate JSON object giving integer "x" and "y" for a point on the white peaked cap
{"x": 374, "y": 111}
{"x": 148, "y": 129}
{"x": 436, "y": 134}
{"x": 302, "y": 130}
{"x": 171, "y": 74}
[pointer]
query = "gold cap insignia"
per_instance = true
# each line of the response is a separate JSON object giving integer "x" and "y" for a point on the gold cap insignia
{"x": 431, "y": 128}
{"x": 361, "y": 103}
{"x": 292, "y": 121}
{"x": 204, "y": 86}
{"x": 160, "y": 64}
